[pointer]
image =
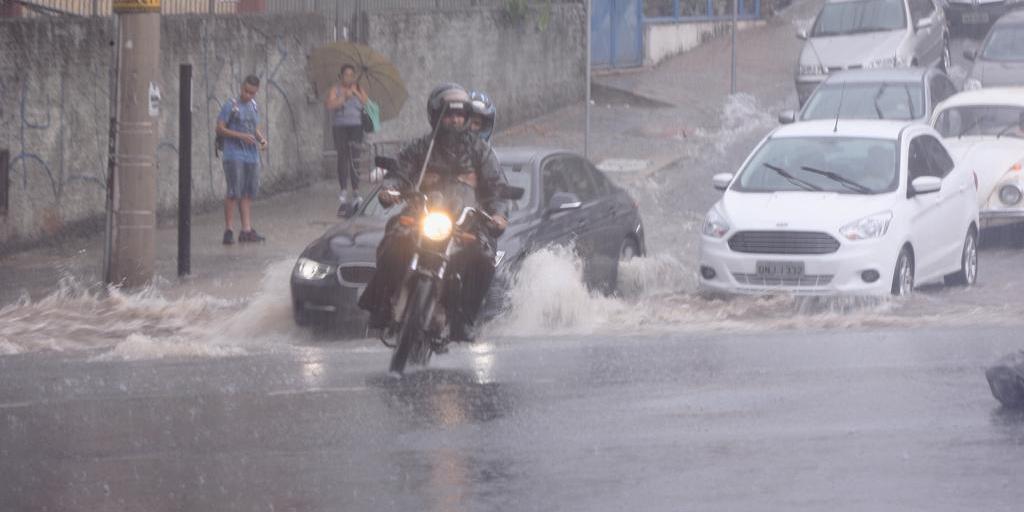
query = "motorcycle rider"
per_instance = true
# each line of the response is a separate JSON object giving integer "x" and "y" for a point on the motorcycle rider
{"x": 481, "y": 120}
{"x": 458, "y": 158}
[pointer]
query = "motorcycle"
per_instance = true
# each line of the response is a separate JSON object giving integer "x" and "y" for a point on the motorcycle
{"x": 443, "y": 224}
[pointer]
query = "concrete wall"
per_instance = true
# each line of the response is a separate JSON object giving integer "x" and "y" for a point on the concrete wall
{"x": 529, "y": 66}
{"x": 54, "y": 96}
{"x": 665, "y": 39}
{"x": 55, "y": 109}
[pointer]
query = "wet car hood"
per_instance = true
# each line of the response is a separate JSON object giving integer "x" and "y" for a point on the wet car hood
{"x": 998, "y": 73}
{"x": 988, "y": 157}
{"x": 851, "y": 50}
{"x": 789, "y": 210}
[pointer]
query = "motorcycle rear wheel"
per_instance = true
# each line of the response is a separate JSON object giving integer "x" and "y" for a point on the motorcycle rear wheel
{"x": 413, "y": 345}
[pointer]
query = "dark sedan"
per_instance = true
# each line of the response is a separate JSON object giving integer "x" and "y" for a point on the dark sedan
{"x": 1000, "y": 62}
{"x": 566, "y": 201}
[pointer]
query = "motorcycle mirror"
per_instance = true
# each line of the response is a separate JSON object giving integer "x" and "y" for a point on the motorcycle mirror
{"x": 388, "y": 164}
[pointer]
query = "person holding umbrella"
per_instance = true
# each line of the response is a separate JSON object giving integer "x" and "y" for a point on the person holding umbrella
{"x": 346, "y": 100}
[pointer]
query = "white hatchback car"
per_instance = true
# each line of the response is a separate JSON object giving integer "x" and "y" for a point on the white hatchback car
{"x": 854, "y": 208}
{"x": 984, "y": 130}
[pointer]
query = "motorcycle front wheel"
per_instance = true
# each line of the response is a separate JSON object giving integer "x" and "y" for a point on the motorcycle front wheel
{"x": 413, "y": 345}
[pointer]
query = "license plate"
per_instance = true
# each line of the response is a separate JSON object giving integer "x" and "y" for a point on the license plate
{"x": 975, "y": 17}
{"x": 780, "y": 268}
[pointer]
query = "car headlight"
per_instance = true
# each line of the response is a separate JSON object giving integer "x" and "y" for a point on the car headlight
{"x": 311, "y": 270}
{"x": 437, "y": 226}
{"x": 715, "y": 224}
{"x": 972, "y": 84}
{"x": 872, "y": 226}
{"x": 1010, "y": 195}
{"x": 884, "y": 62}
{"x": 811, "y": 70}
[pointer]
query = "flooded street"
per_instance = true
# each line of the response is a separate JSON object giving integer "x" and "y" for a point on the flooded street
{"x": 203, "y": 395}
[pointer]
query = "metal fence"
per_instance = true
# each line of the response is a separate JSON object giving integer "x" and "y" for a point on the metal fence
{"x": 334, "y": 9}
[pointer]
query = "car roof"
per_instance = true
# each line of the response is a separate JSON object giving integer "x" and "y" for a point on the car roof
{"x": 987, "y": 96}
{"x": 1012, "y": 17}
{"x": 877, "y": 75}
{"x": 873, "y": 129}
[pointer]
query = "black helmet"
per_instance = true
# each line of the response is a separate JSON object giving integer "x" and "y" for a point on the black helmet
{"x": 484, "y": 109}
{"x": 446, "y": 97}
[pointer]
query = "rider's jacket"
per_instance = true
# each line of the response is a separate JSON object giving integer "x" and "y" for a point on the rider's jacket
{"x": 460, "y": 156}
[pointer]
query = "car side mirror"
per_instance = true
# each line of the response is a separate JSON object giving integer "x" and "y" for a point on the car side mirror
{"x": 926, "y": 185}
{"x": 722, "y": 180}
{"x": 787, "y": 117}
{"x": 970, "y": 54}
{"x": 801, "y": 35}
{"x": 924, "y": 23}
{"x": 563, "y": 201}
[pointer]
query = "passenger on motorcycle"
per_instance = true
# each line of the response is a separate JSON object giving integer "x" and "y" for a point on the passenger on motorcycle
{"x": 459, "y": 159}
{"x": 481, "y": 120}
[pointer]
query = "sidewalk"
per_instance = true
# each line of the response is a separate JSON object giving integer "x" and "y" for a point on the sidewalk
{"x": 647, "y": 118}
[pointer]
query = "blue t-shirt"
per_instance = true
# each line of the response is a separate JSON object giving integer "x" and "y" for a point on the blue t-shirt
{"x": 245, "y": 120}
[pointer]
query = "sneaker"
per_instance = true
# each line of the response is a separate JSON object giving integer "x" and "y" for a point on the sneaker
{"x": 343, "y": 210}
{"x": 229, "y": 237}
{"x": 251, "y": 236}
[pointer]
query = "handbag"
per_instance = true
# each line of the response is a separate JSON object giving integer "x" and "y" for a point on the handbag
{"x": 370, "y": 117}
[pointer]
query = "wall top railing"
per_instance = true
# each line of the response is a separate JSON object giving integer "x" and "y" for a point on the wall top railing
{"x": 663, "y": 11}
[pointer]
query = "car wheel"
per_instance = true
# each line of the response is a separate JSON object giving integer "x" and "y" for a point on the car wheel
{"x": 903, "y": 275}
{"x": 629, "y": 250}
{"x": 968, "y": 273}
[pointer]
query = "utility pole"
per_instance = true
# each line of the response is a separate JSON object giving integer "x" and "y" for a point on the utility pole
{"x": 138, "y": 110}
{"x": 732, "y": 75}
{"x": 586, "y": 129}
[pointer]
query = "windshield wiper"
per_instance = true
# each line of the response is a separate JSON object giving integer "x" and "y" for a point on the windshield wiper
{"x": 971, "y": 126}
{"x": 842, "y": 180}
{"x": 1008, "y": 128}
{"x": 878, "y": 96}
{"x": 793, "y": 179}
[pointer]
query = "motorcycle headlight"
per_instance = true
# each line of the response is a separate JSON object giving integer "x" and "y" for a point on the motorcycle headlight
{"x": 972, "y": 84}
{"x": 1010, "y": 195}
{"x": 872, "y": 226}
{"x": 311, "y": 270}
{"x": 437, "y": 226}
{"x": 884, "y": 62}
{"x": 715, "y": 224}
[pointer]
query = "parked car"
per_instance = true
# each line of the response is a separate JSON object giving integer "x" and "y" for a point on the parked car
{"x": 984, "y": 130}
{"x": 566, "y": 201}
{"x": 904, "y": 94}
{"x": 976, "y": 15}
{"x": 858, "y": 208}
{"x": 1000, "y": 62}
{"x": 855, "y": 34}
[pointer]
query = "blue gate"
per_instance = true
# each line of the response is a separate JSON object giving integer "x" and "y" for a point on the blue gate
{"x": 617, "y": 33}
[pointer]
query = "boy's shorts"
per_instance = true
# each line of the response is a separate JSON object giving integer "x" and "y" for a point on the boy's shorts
{"x": 243, "y": 179}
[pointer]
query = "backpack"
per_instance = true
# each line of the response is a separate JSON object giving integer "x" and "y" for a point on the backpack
{"x": 218, "y": 140}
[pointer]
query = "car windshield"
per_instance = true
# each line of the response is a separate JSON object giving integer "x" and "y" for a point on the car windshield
{"x": 845, "y": 165}
{"x": 904, "y": 101}
{"x": 518, "y": 175}
{"x": 988, "y": 120}
{"x": 1006, "y": 43}
{"x": 858, "y": 16}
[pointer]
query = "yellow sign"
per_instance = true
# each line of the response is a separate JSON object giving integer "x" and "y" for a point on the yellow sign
{"x": 129, "y": 6}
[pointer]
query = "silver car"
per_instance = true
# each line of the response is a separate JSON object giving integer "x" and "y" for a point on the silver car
{"x": 1000, "y": 62}
{"x": 857, "y": 34}
{"x": 907, "y": 94}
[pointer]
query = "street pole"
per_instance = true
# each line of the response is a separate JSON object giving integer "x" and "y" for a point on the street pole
{"x": 185, "y": 170}
{"x": 586, "y": 132}
{"x": 732, "y": 76}
{"x": 138, "y": 110}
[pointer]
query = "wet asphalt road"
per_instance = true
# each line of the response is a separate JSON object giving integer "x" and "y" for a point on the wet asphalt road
{"x": 819, "y": 420}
